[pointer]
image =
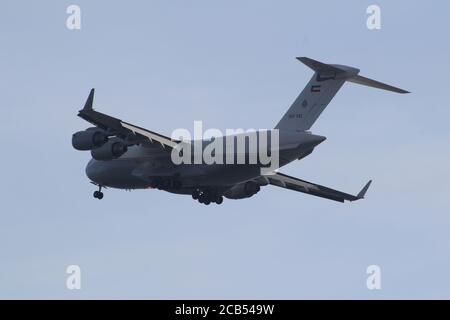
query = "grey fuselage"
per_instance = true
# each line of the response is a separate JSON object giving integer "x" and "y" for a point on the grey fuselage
{"x": 141, "y": 164}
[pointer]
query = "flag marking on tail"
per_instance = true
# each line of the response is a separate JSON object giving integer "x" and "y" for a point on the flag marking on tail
{"x": 315, "y": 88}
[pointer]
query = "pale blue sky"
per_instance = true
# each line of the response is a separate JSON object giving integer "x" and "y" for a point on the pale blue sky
{"x": 164, "y": 64}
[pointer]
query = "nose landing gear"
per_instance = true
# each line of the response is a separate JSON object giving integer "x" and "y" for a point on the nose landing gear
{"x": 98, "y": 194}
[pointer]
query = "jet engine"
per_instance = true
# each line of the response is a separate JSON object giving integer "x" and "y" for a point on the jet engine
{"x": 112, "y": 149}
{"x": 89, "y": 139}
{"x": 242, "y": 190}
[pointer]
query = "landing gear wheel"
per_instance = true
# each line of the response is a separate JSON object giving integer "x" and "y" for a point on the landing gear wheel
{"x": 219, "y": 200}
{"x": 206, "y": 197}
{"x": 195, "y": 195}
{"x": 98, "y": 195}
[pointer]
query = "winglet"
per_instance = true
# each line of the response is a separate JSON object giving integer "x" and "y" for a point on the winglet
{"x": 363, "y": 191}
{"x": 89, "y": 101}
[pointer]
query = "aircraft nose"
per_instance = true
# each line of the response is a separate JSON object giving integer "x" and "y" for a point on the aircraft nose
{"x": 93, "y": 171}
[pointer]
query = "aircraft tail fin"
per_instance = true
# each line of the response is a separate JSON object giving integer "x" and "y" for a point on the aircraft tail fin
{"x": 320, "y": 90}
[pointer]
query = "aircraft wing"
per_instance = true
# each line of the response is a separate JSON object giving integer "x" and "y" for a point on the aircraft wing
{"x": 122, "y": 129}
{"x": 288, "y": 182}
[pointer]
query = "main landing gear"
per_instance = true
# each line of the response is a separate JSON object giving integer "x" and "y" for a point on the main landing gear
{"x": 98, "y": 194}
{"x": 207, "y": 196}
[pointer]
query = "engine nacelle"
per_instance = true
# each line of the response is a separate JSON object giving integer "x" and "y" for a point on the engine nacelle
{"x": 112, "y": 149}
{"x": 243, "y": 190}
{"x": 89, "y": 139}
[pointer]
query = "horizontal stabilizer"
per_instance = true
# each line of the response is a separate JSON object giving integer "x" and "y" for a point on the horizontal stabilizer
{"x": 318, "y": 66}
{"x": 343, "y": 71}
{"x": 374, "y": 84}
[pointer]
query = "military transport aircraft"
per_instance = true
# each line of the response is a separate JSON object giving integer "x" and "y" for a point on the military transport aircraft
{"x": 129, "y": 157}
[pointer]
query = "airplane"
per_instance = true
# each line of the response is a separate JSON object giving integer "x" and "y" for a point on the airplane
{"x": 129, "y": 157}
